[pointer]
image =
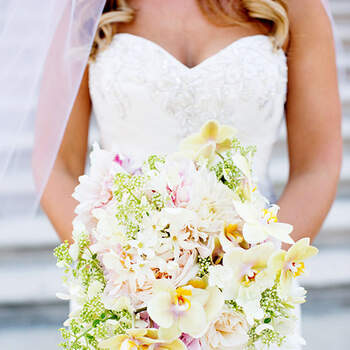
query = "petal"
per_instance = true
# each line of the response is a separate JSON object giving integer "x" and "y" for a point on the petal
{"x": 159, "y": 309}
{"x": 301, "y": 250}
{"x": 136, "y": 333}
{"x": 280, "y": 231}
{"x": 170, "y": 333}
{"x": 192, "y": 142}
{"x": 246, "y": 211}
{"x": 277, "y": 260}
{"x": 207, "y": 151}
{"x": 194, "y": 321}
{"x": 242, "y": 164}
{"x": 113, "y": 342}
{"x": 210, "y": 130}
{"x": 162, "y": 285}
{"x": 224, "y": 145}
{"x": 226, "y": 133}
{"x": 214, "y": 304}
{"x": 233, "y": 258}
{"x": 260, "y": 254}
{"x": 175, "y": 345}
{"x": 254, "y": 233}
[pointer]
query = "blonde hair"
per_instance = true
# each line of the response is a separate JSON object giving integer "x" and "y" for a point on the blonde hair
{"x": 274, "y": 13}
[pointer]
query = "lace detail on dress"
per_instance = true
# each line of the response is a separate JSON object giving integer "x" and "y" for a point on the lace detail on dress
{"x": 145, "y": 100}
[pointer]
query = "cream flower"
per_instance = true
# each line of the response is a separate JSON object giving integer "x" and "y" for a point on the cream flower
{"x": 183, "y": 310}
{"x": 291, "y": 264}
{"x": 228, "y": 331}
{"x": 244, "y": 275}
{"x": 140, "y": 339}
{"x": 261, "y": 224}
{"x": 212, "y": 138}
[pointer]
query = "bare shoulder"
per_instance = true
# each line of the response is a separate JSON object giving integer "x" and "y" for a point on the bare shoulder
{"x": 309, "y": 20}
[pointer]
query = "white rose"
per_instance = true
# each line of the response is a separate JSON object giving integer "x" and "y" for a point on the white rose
{"x": 227, "y": 331}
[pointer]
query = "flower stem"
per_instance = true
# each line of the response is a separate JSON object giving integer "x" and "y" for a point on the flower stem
{"x": 141, "y": 310}
{"x": 220, "y": 155}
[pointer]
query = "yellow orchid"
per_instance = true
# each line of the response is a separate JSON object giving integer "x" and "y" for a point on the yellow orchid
{"x": 212, "y": 138}
{"x": 140, "y": 339}
{"x": 186, "y": 309}
{"x": 291, "y": 265}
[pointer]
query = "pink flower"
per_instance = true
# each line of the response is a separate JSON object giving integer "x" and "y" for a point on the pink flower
{"x": 127, "y": 164}
{"x": 94, "y": 189}
{"x": 190, "y": 342}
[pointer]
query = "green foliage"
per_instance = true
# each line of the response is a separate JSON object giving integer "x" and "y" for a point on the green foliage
{"x": 233, "y": 305}
{"x": 204, "y": 264}
{"x": 227, "y": 172}
{"x": 274, "y": 307}
{"x": 132, "y": 203}
{"x": 152, "y": 163}
{"x": 93, "y": 322}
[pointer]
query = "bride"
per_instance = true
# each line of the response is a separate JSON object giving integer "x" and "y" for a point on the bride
{"x": 159, "y": 69}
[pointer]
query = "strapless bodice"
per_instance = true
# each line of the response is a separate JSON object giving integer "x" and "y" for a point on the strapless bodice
{"x": 145, "y": 100}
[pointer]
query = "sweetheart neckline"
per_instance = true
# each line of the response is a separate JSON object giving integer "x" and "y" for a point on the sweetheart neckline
{"x": 203, "y": 62}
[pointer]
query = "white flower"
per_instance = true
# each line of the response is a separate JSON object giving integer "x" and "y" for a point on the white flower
{"x": 212, "y": 201}
{"x": 108, "y": 232}
{"x": 228, "y": 331}
{"x": 261, "y": 224}
{"x": 291, "y": 265}
{"x": 184, "y": 309}
{"x": 244, "y": 275}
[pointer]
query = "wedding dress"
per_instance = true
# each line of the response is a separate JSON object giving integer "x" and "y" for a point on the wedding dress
{"x": 145, "y": 100}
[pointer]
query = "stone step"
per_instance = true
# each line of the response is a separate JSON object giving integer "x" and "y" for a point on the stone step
{"x": 329, "y": 268}
{"x": 20, "y": 234}
{"x": 336, "y": 228}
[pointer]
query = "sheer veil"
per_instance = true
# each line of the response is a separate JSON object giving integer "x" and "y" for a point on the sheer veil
{"x": 56, "y": 45}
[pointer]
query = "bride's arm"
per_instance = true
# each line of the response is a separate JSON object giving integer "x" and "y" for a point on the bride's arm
{"x": 57, "y": 199}
{"x": 313, "y": 113}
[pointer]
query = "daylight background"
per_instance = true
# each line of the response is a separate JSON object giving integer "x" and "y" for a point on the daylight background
{"x": 30, "y": 314}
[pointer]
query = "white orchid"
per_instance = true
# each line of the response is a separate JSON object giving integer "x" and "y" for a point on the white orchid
{"x": 183, "y": 309}
{"x": 261, "y": 224}
{"x": 244, "y": 275}
{"x": 291, "y": 265}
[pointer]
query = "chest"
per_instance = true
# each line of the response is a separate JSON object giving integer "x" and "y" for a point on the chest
{"x": 183, "y": 30}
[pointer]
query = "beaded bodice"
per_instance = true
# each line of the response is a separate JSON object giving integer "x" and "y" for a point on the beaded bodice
{"x": 145, "y": 100}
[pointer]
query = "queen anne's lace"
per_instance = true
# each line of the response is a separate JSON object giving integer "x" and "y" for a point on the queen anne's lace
{"x": 145, "y": 99}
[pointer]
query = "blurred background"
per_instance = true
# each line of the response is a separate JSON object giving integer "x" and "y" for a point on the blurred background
{"x": 30, "y": 314}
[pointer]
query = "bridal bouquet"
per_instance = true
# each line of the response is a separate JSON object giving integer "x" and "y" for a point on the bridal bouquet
{"x": 183, "y": 253}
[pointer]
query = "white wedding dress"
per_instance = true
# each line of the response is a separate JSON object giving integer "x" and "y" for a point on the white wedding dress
{"x": 146, "y": 101}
